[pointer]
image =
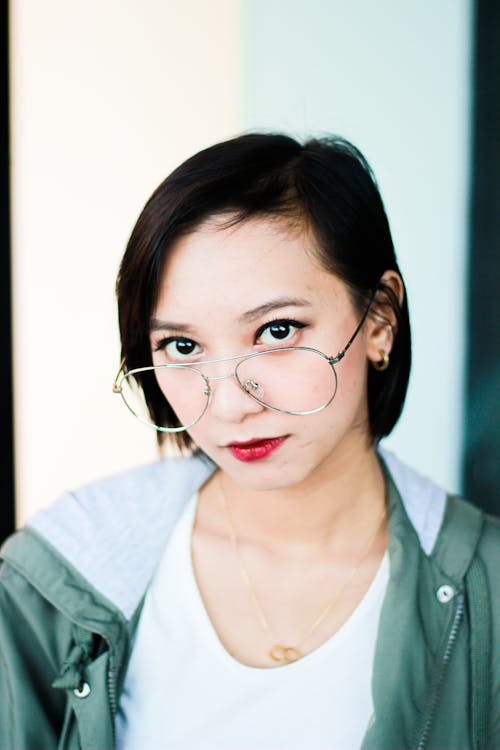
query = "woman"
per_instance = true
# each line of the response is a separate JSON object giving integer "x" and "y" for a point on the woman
{"x": 284, "y": 584}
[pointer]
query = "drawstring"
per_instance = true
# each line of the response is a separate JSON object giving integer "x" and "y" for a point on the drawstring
{"x": 71, "y": 676}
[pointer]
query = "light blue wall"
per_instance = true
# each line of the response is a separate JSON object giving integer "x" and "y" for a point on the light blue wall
{"x": 394, "y": 78}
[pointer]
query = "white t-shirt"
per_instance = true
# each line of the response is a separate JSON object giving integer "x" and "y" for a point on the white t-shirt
{"x": 184, "y": 691}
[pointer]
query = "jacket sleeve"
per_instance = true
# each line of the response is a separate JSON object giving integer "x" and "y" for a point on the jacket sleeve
{"x": 31, "y": 711}
{"x": 490, "y": 554}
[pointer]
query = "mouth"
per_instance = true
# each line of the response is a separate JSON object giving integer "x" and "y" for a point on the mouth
{"x": 254, "y": 450}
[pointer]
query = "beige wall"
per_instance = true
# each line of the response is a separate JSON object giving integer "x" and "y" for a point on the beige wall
{"x": 107, "y": 97}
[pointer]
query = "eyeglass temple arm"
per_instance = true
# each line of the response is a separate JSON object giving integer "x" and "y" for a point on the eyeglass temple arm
{"x": 116, "y": 387}
{"x": 341, "y": 354}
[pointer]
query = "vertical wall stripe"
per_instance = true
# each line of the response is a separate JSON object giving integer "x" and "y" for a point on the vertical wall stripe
{"x": 6, "y": 417}
{"x": 482, "y": 440}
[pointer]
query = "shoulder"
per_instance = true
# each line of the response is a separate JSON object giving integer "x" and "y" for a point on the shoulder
{"x": 468, "y": 547}
{"x": 464, "y": 520}
{"x": 111, "y": 532}
{"x": 141, "y": 495}
{"x": 489, "y": 549}
{"x": 490, "y": 543}
{"x": 451, "y": 530}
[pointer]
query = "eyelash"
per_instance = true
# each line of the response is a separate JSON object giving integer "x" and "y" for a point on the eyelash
{"x": 279, "y": 321}
{"x": 163, "y": 343}
{"x": 297, "y": 324}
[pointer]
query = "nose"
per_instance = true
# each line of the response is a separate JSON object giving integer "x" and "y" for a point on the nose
{"x": 229, "y": 402}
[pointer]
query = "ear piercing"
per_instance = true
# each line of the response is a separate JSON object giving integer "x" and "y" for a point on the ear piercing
{"x": 383, "y": 363}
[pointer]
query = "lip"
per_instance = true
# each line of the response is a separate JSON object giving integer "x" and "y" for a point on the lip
{"x": 257, "y": 449}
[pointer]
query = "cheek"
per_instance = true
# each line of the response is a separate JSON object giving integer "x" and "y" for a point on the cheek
{"x": 291, "y": 381}
{"x": 185, "y": 390}
{"x": 324, "y": 387}
{"x": 349, "y": 405}
{"x": 352, "y": 385}
{"x": 202, "y": 433}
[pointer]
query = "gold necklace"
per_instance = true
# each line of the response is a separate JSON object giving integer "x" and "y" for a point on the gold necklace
{"x": 279, "y": 652}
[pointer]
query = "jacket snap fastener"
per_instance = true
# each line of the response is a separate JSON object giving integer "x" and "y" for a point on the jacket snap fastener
{"x": 82, "y": 691}
{"x": 445, "y": 593}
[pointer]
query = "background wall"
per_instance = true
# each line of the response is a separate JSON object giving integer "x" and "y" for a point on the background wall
{"x": 108, "y": 97}
{"x": 393, "y": 77}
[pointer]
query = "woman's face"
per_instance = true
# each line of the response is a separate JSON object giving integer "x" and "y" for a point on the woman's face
{"x": 249, "y": 288}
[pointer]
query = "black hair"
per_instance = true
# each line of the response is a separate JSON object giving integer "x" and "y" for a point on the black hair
{"x": 325, "y": 183}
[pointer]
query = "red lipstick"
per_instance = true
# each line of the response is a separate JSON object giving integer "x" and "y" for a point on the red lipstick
{"x": 254, "y": 450}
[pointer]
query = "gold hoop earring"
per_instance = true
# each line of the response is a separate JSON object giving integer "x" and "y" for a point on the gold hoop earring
{"x": 383, "y": 363}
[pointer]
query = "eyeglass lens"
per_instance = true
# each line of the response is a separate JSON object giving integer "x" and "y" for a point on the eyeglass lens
{"x": 298, "y": 381}
{"x": 295, "y": 381}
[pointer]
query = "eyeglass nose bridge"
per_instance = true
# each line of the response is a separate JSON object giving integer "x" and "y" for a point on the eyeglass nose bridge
{"x": 219, "y": 377}
{"x": 250, "y": 387}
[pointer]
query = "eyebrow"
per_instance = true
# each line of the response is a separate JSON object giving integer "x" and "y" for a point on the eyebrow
{"x": 267, "y": 307}
{"x": 161, "y": 325}
{"x": 247, "y": 317}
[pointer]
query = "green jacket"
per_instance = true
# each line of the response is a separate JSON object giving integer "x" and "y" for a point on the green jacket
{"x": 72, "y": 584}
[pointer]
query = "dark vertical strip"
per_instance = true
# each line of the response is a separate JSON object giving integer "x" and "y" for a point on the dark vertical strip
{"x": 482, "y": 439}
{"x": 6, "y": 409}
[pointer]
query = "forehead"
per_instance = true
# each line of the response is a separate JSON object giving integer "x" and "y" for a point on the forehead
{"x": 239, "y": 267}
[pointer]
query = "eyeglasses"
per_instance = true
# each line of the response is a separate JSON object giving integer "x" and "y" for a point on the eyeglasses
{"x": 295, "y": 380}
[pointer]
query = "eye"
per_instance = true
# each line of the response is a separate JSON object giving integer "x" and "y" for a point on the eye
{"x": 278, "y": 331}
{"x": 177, "y": 348}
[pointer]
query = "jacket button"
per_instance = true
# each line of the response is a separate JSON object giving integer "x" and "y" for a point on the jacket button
{"x": 445, "y": 593}
{"x": 83, "y": 690}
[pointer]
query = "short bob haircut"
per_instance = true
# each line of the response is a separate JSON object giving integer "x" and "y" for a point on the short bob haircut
{"x": 326, "y": 185}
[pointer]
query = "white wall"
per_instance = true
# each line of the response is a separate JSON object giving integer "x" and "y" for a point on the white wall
{"x": 107, "y": 97}
{"x": 393, "y": 77}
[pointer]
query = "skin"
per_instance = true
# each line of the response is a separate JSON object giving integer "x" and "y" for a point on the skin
{"x": 305, "y": 514}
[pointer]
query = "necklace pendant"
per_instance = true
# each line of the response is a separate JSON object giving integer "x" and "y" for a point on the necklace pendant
{"x": 284, "y": 654}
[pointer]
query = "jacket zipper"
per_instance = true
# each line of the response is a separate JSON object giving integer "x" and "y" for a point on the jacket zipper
{"x": 439, "y": 678}
{"x": 112, "y": 694}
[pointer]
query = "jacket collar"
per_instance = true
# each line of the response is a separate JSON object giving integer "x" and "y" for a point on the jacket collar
{"x": 113, "y": 531}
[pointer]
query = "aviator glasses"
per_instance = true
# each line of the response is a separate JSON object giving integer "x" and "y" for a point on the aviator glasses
{"x": 296, "y": 380}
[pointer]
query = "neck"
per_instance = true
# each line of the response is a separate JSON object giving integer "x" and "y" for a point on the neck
{"x": 327, "y": 511}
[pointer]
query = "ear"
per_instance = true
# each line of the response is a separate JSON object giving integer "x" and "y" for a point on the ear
{"x": 382, "y": 321}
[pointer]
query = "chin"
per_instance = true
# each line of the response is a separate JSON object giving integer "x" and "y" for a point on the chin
{"x": 265, "y": 476}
